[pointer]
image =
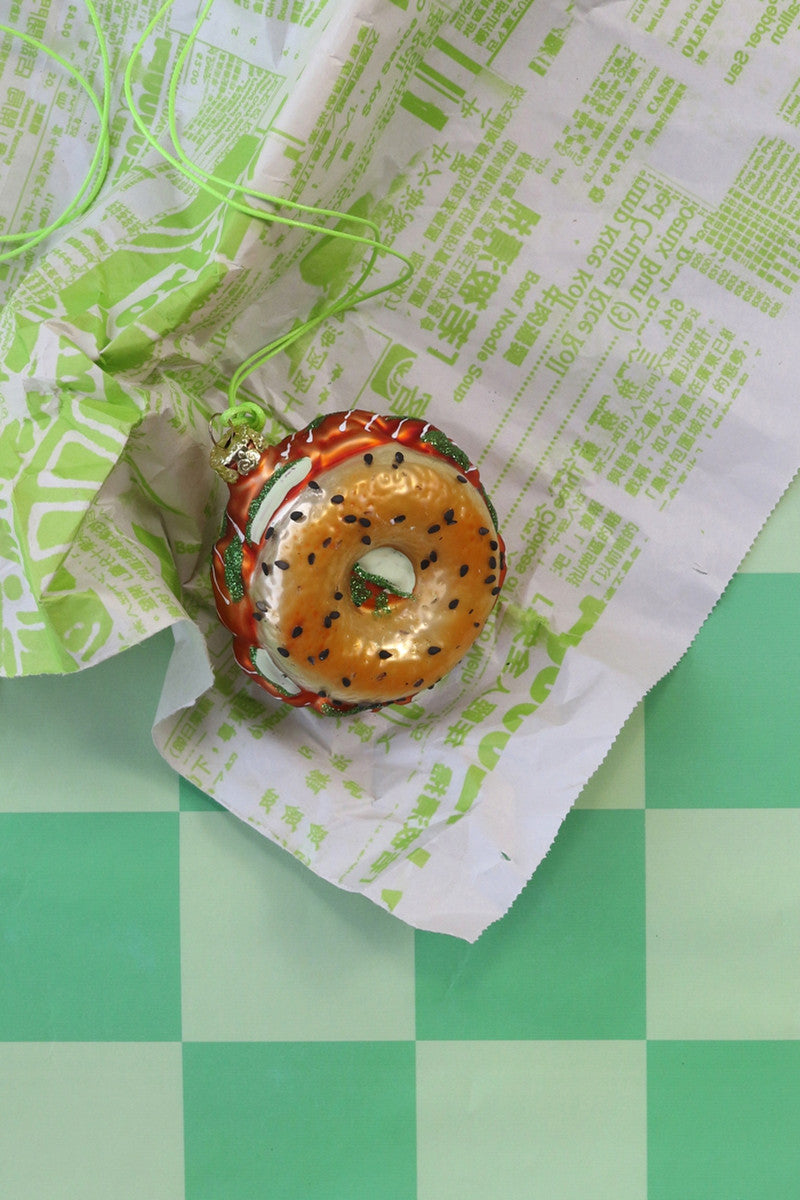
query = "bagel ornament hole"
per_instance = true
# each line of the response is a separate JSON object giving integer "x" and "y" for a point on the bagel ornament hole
{"x": 381, "y": 578}
{"x": 358, "y": 562}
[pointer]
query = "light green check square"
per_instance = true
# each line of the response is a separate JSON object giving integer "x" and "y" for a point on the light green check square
{"x": 82, "y": 743}
{"x": 524, "y": 1120}
{"x": 723, "y": 923}
{"x": 777, "y": 547}
{"x": 91, "y": 1120}
{"x": 271, "y": 952}
{"x": 619, "y": 780}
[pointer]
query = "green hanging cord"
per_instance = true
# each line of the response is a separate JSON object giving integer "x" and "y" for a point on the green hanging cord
{"x": 352, "y": 296}
{"x": 247, "y": 413}
{"x": 206, "y": 176}
{"x": 205, "y": 179}
{"x": 221, "y": 189}
{"x": 262, "y": 356}
{"x": 349, "y": 300}
{"x": 98, "y": 167}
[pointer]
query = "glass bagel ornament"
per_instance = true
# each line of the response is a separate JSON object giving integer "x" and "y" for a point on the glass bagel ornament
{"x": 358, "y": 561}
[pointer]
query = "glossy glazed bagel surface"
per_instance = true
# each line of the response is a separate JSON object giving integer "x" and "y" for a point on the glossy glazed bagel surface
{"x": 315, "y": 623}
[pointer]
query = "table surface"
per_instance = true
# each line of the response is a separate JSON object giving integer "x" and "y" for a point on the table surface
{"x": 187, "y": 1011}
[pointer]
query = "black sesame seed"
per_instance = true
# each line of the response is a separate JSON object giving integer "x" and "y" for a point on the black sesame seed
{"x": 311, "y": 659}
{"x": 461, "y": 478}
{"x": 384, "y": 654}
{"x": 492, "y": 545}
{"x": 345, "y": 681}
{"x": 312, "y": 483}
{"x": 368, "y": 459}
{"x": 483, "y": 531}
{"x": 323, "y": 654}
{"x": 433, "y": 556}
{"x": 258, "y": 616}
{"x": 477, "y": 624}
{"x": 492, "y": 563}
{"x": 434, "y": 649}
{"x": 367, "y": 540}
{"x": 322, "y": 692}
{"x": 365, "y": 521}
{"x": 262, "y": 606}
{"x": 490, "y": 579}
{"x": 266, "y": 568}
{"x": 462, "y": 570}
{"x": 337, "y": 499}
{"x": 453, "y": 604}
{"x": 281, "y": 564}
{"x": 350, "y": 519}
{"x": 398, "y": 458}
{"x": 426, "y": 562}
{"x": 327, "y": 543}
{"x": 327, "y": 622}
{"x": 334, "y": 614}
{"x": 397, "y": 520}
{"x": 495, "y": 591}
{"x": 283, "y": 651}
{"x": 298, "y": 629}
{"x": 311, "y": 559}
{"x": 434, "y": 528}
{"x": 450, "y": 517}
{"x": 269, "y": 533}
{"x": 419, "y": 683}
{"x": 297, "y": 516}
{"x": 338, "y": 595}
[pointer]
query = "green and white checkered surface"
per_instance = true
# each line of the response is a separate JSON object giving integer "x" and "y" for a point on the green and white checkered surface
{"x": 187, "y": 1011}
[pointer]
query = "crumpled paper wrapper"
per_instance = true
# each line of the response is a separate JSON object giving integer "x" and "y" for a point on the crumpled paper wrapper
{"x": 607, "y": 255}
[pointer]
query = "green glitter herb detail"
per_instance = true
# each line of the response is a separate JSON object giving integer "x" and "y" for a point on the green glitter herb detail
{"x": 347, "y": 710}
{"x": 359, "y": 591}
{"x": 442, "y": 443}
{"x": 272, "y": 683}
{"x": 365, "y": 586}
{"x": 233, "y": 571}
{"x": 491, "y": 508}
{"x": 252, "y": 512}
{"x": 379, "y": 581}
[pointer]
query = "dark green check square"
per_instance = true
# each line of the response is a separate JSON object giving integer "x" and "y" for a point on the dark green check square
{"x": 89, "y": 927}
{"x": 721, "y": 728}
{"x": 191, "y": 799}
{"x": 723, "y": 1120}
{"x": 300, "y": 1120}
{"x": 568, "y": 959}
